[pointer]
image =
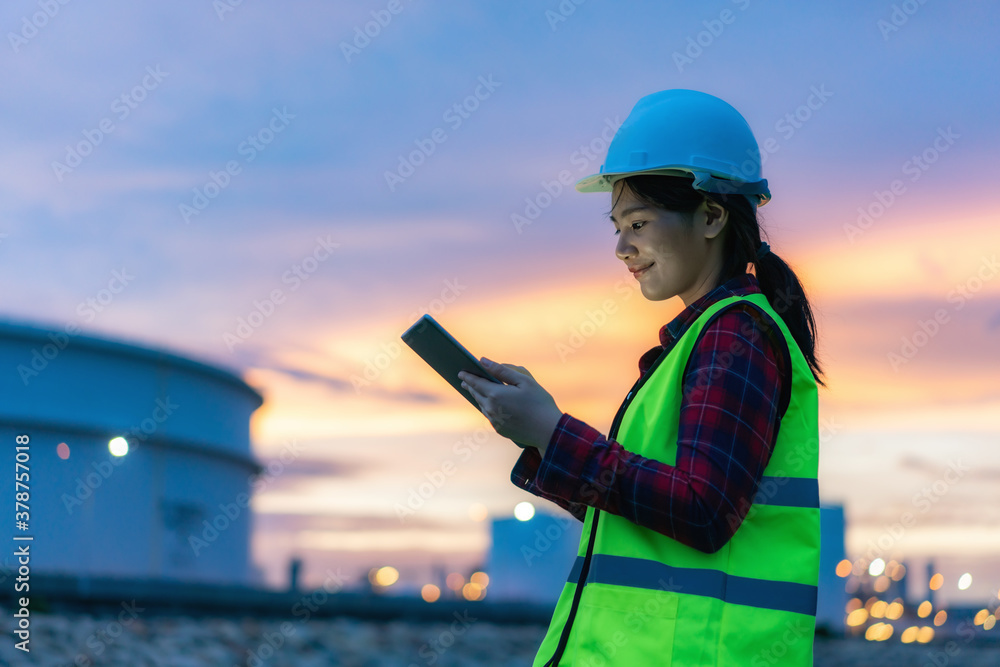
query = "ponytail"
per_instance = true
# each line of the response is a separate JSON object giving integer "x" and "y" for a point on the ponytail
{"x": 777, "y": 280}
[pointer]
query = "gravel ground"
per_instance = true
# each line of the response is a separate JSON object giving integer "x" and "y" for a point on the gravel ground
{"x": 81, "y": 640}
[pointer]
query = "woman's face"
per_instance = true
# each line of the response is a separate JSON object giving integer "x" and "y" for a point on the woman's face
{"x": 683, "y": 256}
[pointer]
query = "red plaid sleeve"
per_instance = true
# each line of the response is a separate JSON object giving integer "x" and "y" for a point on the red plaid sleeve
{"x": 729, "y": 417}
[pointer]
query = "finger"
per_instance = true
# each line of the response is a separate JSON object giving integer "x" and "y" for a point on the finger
{"x": 502, "y": 373}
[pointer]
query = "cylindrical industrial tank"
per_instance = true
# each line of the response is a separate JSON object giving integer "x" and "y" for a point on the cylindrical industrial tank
{"x": 175, "y": 506}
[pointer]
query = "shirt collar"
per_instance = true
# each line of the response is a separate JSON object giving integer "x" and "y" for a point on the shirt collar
{"x": 738, "y": 286}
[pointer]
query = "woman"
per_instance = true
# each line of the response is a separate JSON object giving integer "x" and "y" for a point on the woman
{"x": 700, "y": 543}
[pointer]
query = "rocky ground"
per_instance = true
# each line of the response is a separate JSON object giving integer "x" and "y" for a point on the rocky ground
{"x": 121, "y": 639}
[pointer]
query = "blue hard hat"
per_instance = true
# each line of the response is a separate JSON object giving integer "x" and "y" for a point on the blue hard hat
{"x": 685, "y": 132}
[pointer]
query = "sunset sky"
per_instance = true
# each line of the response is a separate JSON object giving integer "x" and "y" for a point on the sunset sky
{"x": 225, "y": 153}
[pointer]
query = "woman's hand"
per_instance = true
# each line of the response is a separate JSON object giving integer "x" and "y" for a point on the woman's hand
{"x": 519, "y": 409}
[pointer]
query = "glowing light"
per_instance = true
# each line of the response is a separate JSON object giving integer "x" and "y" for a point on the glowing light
{"x": 430, "y": 593}
{"x": 894, "y": 611}
{"x": 925, "y": 634}
{"x": 386, "y": 576}
{"x": 480, "y": 579}
{"x": 860, "y": 567}
{"x": 882, "y": 584}
{"x": 62, "y": 450}
{"x": 524, "y": 511}
{"x": 924, "y": 610}
{"x": 455, "y": 581}
{"x": 844, "y": 568}
{"x": 852, "y": 604}
{"x": 981, "y": 616}
{"x": 940, "y": 617}
{"x": 878, "y": 609}
{"x": 990, "y": 621}
{"x": 472, "y": 591}
{"x": 118, "y": 446}
{"x": 909, "y": 635}
{"x": 478, "y": 512}
{"x": 877, "y": 567}
{"x": 898, "y": 572}
{"x": 936, "y": 581}
{"x": 964, "y": 581}
{"x": 878, "y": 632}
{"x": 857, "y": 617}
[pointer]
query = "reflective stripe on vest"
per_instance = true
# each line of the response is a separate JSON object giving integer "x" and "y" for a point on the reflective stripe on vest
{"x": 643, "y": 573}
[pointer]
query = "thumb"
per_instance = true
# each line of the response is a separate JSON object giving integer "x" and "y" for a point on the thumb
{"x": 501, "y": 372}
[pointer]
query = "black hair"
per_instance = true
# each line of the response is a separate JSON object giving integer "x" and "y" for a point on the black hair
{"x": 777, "y": 280}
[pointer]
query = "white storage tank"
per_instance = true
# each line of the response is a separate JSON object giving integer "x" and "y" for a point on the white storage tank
{"x": 175, "y": 506}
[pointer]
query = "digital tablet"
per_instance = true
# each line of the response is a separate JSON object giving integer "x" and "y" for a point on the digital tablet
{"x": 444, "y": 354}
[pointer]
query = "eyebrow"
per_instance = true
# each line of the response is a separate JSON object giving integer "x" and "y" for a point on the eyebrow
{"x": 629, "y": 211}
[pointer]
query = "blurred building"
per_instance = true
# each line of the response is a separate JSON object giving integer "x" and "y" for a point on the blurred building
{"x": 175, "y": 505}
{"x": 531, "y": 560}
{"x": 832, "y": 596}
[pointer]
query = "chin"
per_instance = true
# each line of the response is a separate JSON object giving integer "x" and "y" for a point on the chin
{"x": 653, "y": 294}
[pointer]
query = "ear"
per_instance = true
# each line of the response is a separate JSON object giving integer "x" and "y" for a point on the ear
{"x": 716, "y": 217}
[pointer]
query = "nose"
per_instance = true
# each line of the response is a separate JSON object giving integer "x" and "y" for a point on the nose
{"x": 624, "y": 248}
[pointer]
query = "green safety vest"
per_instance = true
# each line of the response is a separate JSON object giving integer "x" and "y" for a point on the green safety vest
{"x": 648, "y": 599}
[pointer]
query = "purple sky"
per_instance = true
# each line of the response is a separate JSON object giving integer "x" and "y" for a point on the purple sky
{"x": 219, "y": 157}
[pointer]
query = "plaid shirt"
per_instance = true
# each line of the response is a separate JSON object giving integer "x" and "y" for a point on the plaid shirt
{"x": 726, "y": 433}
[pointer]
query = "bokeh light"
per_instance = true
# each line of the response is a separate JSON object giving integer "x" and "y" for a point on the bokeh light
{"x": 118, "y": 446}
{"x": 936, "y": 581}
{"x": 964, "y": 581}
{"x": 524, "y": 511}
{"x": 62, "y": 451}
{"x": 430, "y": 593}
{"x": 386, "y": 576}
{"x": 455, "y": 581}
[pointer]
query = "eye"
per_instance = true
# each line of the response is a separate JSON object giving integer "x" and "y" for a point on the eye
{"x": 633, "y": 226}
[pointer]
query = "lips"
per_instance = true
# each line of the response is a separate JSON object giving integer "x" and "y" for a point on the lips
{"x": 637, "y": 269}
